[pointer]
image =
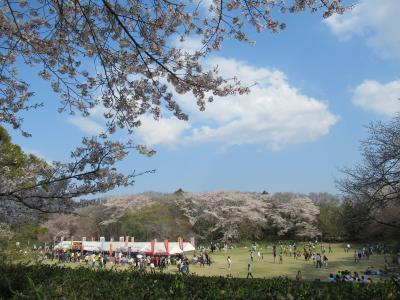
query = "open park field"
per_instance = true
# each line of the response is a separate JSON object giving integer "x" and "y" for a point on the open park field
{"x": 338, "y": 260}
{"x": 51, "y": 279}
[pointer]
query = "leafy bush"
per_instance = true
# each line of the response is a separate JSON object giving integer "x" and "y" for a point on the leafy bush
{"x": 53, "y": 282}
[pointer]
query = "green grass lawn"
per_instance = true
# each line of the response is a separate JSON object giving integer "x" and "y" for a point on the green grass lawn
{"x": 338, "y": 260}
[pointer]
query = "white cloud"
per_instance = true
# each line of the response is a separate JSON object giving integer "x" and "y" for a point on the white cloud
{"x": 377, "y": 97}
{"x": 190, "y": 44}
{"x": 273, "y": 114}
{"x": 165, "y": 131}
{"x": 377, "y": 21}
{"x": 86, "y": 125}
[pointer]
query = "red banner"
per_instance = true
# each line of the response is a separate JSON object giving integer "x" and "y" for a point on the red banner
{"x": 180, "y": 243}
{"x": 153, "y": 245}
{"x": 110, "y": 249}
{"x": 166, "y": 245}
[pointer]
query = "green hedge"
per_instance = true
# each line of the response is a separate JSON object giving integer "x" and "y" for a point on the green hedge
{"x": 53, "y": 282}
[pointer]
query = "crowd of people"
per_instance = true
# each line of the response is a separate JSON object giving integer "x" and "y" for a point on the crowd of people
{"x": 136, "y": 261}
{"x": 347, "y": 276}
{"x": 314, "y": 252}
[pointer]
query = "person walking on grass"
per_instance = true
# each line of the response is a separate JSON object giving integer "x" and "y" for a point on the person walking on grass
{"x": 280, "y": 258}
{"x": 249, "y": 274}
{"x": 356, "y": 256}
{"x": 318, "y": 261}
{"x": 229, "y": 261}
{"x": 325, "y": 260}
{"x": 152, "y": 268}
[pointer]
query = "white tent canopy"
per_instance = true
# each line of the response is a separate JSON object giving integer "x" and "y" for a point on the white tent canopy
{"x": 159, "y": 247}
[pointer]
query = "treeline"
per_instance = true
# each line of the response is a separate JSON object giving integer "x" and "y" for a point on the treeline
{"x": 231, "y": 216}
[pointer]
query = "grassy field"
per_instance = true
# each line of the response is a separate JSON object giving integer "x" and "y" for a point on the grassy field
{"x": 338, "y": 260}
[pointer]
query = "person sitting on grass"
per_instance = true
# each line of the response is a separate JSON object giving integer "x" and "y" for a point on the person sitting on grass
{"x": 338, "y": 276}
{"x": 356, "y": 277}
{"x": 299, "y": 277}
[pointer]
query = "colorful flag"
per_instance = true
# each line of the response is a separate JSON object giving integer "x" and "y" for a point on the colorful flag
{"x": 180, "y": 243}
{"x": 153, "y": 245}
{"x": 166, "y": 245}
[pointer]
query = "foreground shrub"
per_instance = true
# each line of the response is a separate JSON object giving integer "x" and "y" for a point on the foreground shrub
{"x": 53, "y": 282}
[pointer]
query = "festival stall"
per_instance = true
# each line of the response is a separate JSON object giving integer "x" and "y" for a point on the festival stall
{"x": 152, "y": 247}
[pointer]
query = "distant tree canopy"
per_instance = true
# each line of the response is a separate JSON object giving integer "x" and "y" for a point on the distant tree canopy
{"x": 124, "y": 56}
{"x": 218, "y": 216}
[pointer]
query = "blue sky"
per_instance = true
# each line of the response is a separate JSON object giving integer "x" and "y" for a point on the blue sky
{"x": 318, "y": 83}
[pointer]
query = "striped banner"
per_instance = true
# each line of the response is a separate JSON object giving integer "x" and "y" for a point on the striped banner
{"x": 180, "y": 243}
{"x": 166, "y": 245}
